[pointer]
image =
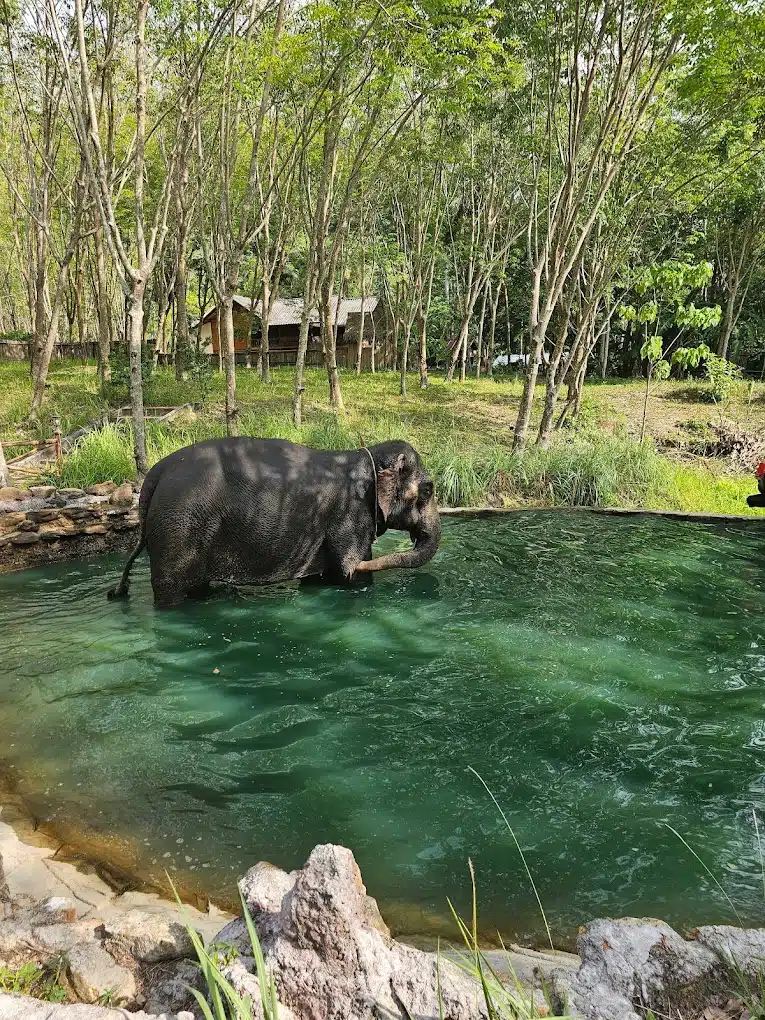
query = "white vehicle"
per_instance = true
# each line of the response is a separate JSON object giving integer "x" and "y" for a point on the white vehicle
{"x": 515, "y": 361}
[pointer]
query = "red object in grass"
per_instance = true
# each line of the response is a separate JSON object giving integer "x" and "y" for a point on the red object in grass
{"x": 760, "y": 470}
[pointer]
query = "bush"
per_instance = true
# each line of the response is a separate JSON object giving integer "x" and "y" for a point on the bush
{"x": 592, "y": 471}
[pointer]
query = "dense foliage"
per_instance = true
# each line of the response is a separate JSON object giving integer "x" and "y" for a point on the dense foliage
{"x": 577, "y": 182}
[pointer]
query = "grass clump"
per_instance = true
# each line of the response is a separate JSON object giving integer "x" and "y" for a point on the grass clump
{"x": 223, "y": 1002}
{"x": 38, "y": 982}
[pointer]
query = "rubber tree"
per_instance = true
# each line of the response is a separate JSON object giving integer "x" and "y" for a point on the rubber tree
{"x": 591, "y": 95}
{"x": 234, "y": 141}
{"x": 133, "y": 257}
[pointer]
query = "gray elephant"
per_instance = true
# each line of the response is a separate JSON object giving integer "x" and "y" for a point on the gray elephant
{"x": 256, "y": 511}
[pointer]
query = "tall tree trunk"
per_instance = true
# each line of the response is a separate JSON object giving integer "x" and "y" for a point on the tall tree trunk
{"x": 554, "y": 380}
{"x": 102, "y": 300}
{"x": 42, "y": 361}
{"x": 305, "y": 325}
{"x": 422, "y": 328}
{"x": 79, "y": 307}
{"x": 134, "y": 309}
{"x": 330, "y": 352}
{"x": 181, "y": 314}
{"x": 405, "y": 358}
{"x": 605, "y": 343}
{"x": 479, "y": 353}
{"x": 729, "y": 317}
{"x": 461, "y": 342}
{"x": 229, "y": 354}
{"x": 267, "y": 299}
{"x": 492, "y": 333}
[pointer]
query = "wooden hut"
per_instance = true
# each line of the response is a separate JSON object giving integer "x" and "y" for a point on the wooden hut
{"x": 284, "y": 332}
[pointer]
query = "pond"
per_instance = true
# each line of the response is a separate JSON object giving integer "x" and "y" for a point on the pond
{"x": 604, "y": 675}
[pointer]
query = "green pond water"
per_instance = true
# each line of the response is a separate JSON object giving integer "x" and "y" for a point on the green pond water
{"x": 605, "y": 676}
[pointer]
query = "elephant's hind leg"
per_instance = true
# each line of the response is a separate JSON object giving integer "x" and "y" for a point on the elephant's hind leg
{"x": 174, "y": 579}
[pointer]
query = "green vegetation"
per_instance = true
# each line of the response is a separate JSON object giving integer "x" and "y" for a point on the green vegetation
{"x": 463, "y": 433}
{"x": 223, "y": 1002}
{"x": 32, "y": 979}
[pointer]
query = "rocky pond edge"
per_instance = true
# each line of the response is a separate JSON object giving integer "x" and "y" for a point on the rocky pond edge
{"x": 332, "y": 955}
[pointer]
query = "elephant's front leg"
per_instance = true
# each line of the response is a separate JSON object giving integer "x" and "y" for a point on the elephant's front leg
{"x": 343, "y": 552}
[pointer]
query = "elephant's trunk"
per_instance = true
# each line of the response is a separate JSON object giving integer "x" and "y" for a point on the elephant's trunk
{"x": 425, "y": 538}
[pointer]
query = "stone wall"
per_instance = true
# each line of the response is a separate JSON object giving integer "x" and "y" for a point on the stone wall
{"x": 42, "y": 524}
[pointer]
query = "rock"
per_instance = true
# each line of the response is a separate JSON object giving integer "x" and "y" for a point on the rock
{"x": 12, "y": 494}
{"x": 29, "y": 525}
{"x": 12, "y": 519}
{"x": 150, "y": 938}
{"x": 101, "y": 489}
{"x": 95, "y": 529}
{"x": 19, "y": 1007}
{"x": 25, "y": 538}
{"x": 122, "y": 496}
{"x": 169, "y": 990}
{"x": 55, "y": 910}
{"x": 40, "y": 516}
{"x": 71, "y": 493}
{"x": 53, "y": 534}
{"x": 94, "y": 973}
{"x": 42, "y": 491}
{"x": 245, "y": 983}
{"x": 643, "y": 963}
{"x": 330, "y": 951}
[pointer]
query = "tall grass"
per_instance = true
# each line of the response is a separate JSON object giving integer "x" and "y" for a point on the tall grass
{"x": 595, "y": 470}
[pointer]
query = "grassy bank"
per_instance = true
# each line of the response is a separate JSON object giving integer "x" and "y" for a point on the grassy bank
{"x": 462, "y": 431}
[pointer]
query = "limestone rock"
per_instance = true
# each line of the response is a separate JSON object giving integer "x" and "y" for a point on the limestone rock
{"x": 25, "y": 538}
{"x": 54, "y": 534}
{"x": 122, "y": 496}
{"x": 95, "y": 529}
{"x": 169, "y": 992}
{"x": 42, "y": 491}
{"x": 12, "y": 494}
{"x": 331, "y": 954}
{"x": 149, "y": 938}
{"x": 71, "y": 493}
{"x": 94, "y": 973}
{"x": 246, "y": 983}
{"x": 19, "y": 1007}
{"x": 101, "y": 489}
{"x": 643, "y": 963}
{"x": 11, "y": 520}
{"x": 29, "y": 525}
{"x": 40, "y": 516}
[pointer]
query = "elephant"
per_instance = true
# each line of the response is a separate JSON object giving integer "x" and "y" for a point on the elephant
{"x": 258, "y": 511}
{"x": 759, "y": 498}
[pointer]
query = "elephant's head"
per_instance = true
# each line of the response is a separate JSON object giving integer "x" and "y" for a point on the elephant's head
{"x": 406, "y": 501}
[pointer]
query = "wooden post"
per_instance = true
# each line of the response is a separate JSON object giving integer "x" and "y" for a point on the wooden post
{"x": 57, "y": 436}
{"x": 4, "y": 479}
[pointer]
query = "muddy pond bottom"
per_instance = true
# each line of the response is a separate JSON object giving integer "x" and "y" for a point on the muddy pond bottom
{"x": 605, "y": 676}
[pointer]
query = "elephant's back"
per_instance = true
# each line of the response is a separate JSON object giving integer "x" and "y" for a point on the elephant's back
{"x": 253, "y": 508}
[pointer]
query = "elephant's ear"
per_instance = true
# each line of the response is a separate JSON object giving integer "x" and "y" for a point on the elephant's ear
{"x": 386, "y": 491}
{"x": 387, "y": 483}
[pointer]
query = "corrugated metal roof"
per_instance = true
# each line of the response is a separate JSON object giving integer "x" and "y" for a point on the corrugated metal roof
{"x": 289, "y": 311}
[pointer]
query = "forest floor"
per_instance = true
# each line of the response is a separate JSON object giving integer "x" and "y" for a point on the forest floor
{"x": 464, "y": 432}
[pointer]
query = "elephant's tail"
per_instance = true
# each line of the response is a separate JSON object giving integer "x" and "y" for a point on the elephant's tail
{"x": 121, "y": 590}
